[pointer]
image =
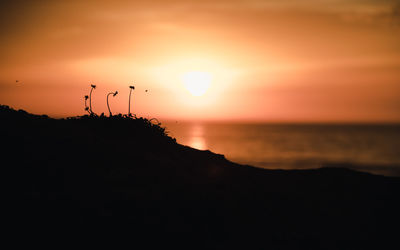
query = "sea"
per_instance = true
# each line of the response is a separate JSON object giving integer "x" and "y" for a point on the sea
{"x": 363, "y": 147}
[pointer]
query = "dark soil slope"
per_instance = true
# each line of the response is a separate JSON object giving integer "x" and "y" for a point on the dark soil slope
{"x": 71, "y": 178}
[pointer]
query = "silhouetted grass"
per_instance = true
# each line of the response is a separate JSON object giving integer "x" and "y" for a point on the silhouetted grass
{"x": 123, "y": 125}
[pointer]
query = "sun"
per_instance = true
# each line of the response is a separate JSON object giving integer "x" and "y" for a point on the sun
{"x": 197, "y": 82}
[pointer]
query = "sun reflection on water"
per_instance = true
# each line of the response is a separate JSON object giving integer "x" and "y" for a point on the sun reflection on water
{"x": 198, "y": 143}
{"x": 197, "y": 137}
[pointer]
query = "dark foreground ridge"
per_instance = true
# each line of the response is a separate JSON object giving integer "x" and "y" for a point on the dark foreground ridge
{"x": 70, "y": 179}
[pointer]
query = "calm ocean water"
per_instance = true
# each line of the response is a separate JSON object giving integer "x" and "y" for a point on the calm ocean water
{"x": 368, "y": 148}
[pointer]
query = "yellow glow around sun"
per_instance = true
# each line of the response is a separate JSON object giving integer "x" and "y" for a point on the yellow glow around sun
{"x": 197, "y": 82}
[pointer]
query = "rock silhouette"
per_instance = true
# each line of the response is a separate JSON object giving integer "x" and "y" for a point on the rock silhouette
{"x": 126, "y": 176}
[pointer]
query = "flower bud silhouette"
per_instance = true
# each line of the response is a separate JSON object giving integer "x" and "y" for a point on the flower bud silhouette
{"x": 86, "y": 106}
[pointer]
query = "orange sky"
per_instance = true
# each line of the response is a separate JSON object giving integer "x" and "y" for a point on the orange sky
{"x": 332, "y": 60}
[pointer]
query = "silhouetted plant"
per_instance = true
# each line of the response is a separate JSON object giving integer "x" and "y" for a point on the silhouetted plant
{"x": 129, "y": 105}
{"x": 90, "y": 98}
{"x": 114, "y": 94}
{"x": 158, "y": 122}
{"x": 86, "y": 106}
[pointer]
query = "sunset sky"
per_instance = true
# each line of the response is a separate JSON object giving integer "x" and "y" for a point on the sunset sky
{"x": 256, "y": 60}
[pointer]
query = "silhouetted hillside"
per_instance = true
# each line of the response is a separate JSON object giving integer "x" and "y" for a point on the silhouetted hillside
{"x": 67, "y": 179}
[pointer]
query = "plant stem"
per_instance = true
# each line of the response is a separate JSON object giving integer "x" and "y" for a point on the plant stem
{"x": 109, "y": 110}
{"x": 129, "y": 107}
{"x": 90, "y": 101}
